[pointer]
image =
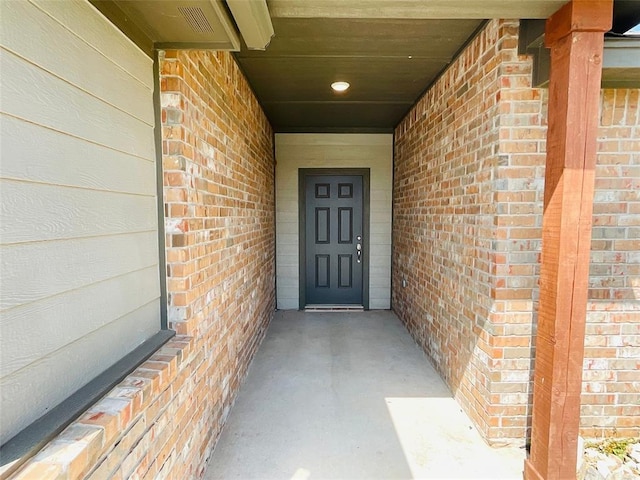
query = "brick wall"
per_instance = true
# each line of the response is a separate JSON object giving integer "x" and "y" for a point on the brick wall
{"x": 164, "y": 419}
{"x": 611, "y": 392}
{"x": 611, "y": 381}
{"x": 219, "y": 223}
{"x": 469, "y": 179}
{"x": 443, "y": 223}
{"x": 519, "y": 196}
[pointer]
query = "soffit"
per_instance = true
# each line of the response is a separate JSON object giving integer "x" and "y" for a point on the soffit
{"x": 390, "y": 51}
{"x": 425, "y": 9}
{"x": 388, "y": 62}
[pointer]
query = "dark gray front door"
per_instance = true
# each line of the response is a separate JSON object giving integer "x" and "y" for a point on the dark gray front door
{"x": 333, "y": 240}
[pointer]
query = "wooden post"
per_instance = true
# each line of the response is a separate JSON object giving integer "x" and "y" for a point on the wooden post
{"x": 575, "y": 34}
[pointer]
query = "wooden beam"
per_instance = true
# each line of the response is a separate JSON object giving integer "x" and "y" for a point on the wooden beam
{"x": 436, "y": 9}
{"x": 575, "y": 34}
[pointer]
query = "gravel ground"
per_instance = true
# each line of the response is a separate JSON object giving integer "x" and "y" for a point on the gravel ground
{"x": 611, "y": 459}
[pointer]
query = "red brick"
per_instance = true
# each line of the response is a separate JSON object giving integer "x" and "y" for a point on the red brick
{"x": 450, "y": 291}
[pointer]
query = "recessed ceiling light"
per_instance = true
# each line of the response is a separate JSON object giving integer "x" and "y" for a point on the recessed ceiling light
{"x": 340, "y": 86}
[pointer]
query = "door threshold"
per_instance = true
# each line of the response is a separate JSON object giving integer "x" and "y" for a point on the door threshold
{"x": 334, "y": 308}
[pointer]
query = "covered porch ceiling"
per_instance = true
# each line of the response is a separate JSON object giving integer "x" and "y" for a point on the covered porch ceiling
{"x": 390, "y": 51}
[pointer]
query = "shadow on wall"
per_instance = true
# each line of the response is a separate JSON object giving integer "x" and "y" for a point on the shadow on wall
{"x": 467, "y": 226}
{"x": 489, "y": 370}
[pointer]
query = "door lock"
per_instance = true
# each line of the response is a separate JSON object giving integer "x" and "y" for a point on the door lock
{"x": 359, "y": 249}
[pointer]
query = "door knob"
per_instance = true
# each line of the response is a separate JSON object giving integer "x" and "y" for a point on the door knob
{"x": 359, "y": 249}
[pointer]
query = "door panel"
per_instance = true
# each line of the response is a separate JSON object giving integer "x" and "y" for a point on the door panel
{"x": 345, "y": 225}
{"x": 323, "y": 227}
{"x": 333, "y": 230}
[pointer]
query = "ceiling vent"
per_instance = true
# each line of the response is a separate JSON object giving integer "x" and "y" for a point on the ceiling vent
{"x": 196, "y": 19}
{"x": 203, "y": 24}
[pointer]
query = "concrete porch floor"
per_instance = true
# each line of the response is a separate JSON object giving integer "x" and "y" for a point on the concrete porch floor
{"x": 346, "y": 396}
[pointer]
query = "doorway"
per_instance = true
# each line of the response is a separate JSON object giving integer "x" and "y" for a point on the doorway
{"x": 334, "y": 238}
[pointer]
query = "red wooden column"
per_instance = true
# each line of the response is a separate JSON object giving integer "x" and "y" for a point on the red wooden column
{"x": 575, "y": 34}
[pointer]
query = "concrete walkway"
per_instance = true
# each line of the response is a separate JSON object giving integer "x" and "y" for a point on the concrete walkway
{"x": 350, "y": 396}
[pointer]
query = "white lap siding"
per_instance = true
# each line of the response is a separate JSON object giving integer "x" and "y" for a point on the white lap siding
{"x": 78, "y": 228}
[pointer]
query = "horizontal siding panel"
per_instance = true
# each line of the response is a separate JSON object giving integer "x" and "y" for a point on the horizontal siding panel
{"x": 381, "y": 281}
{"x": 80, "y": 261}
{"x": 380, "y": 303}
{"x": 56, "y": 104}
{"x": 382, "y": 196}
{"x": 382, "y": 250}
{"x": 288, "y": 282}
{"x": 380, "y": 229}
{"x": 377, "y": 270}
{"x": 81, "y": 65}
{"x": 65, "y": 160}
{"x": 379, "y": 293}
{"x": 287, "y": 240}
{"x": 31, "y": 391}
{"x": 37, "y": 212}
{"x": 287, "y": 216}
{"x": 87, "y": 23}
{"x": 285, "y": 260}
{"x": 286, "y": 228}
{"x": 379, "y": 204}
{"x": 382, "y": 180}
{"x": 288, "y": 303}
{"x": 380, "y": 261}
{"x": 286, "y": 198}
{"x": 324, "y": 140}
{"x": 291, "y": 271}
{"x": 381, "y": 217}
{"x": 380, "y": 239}
{"x": 34, "y": 271}
{"x": 53, "y": 322}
